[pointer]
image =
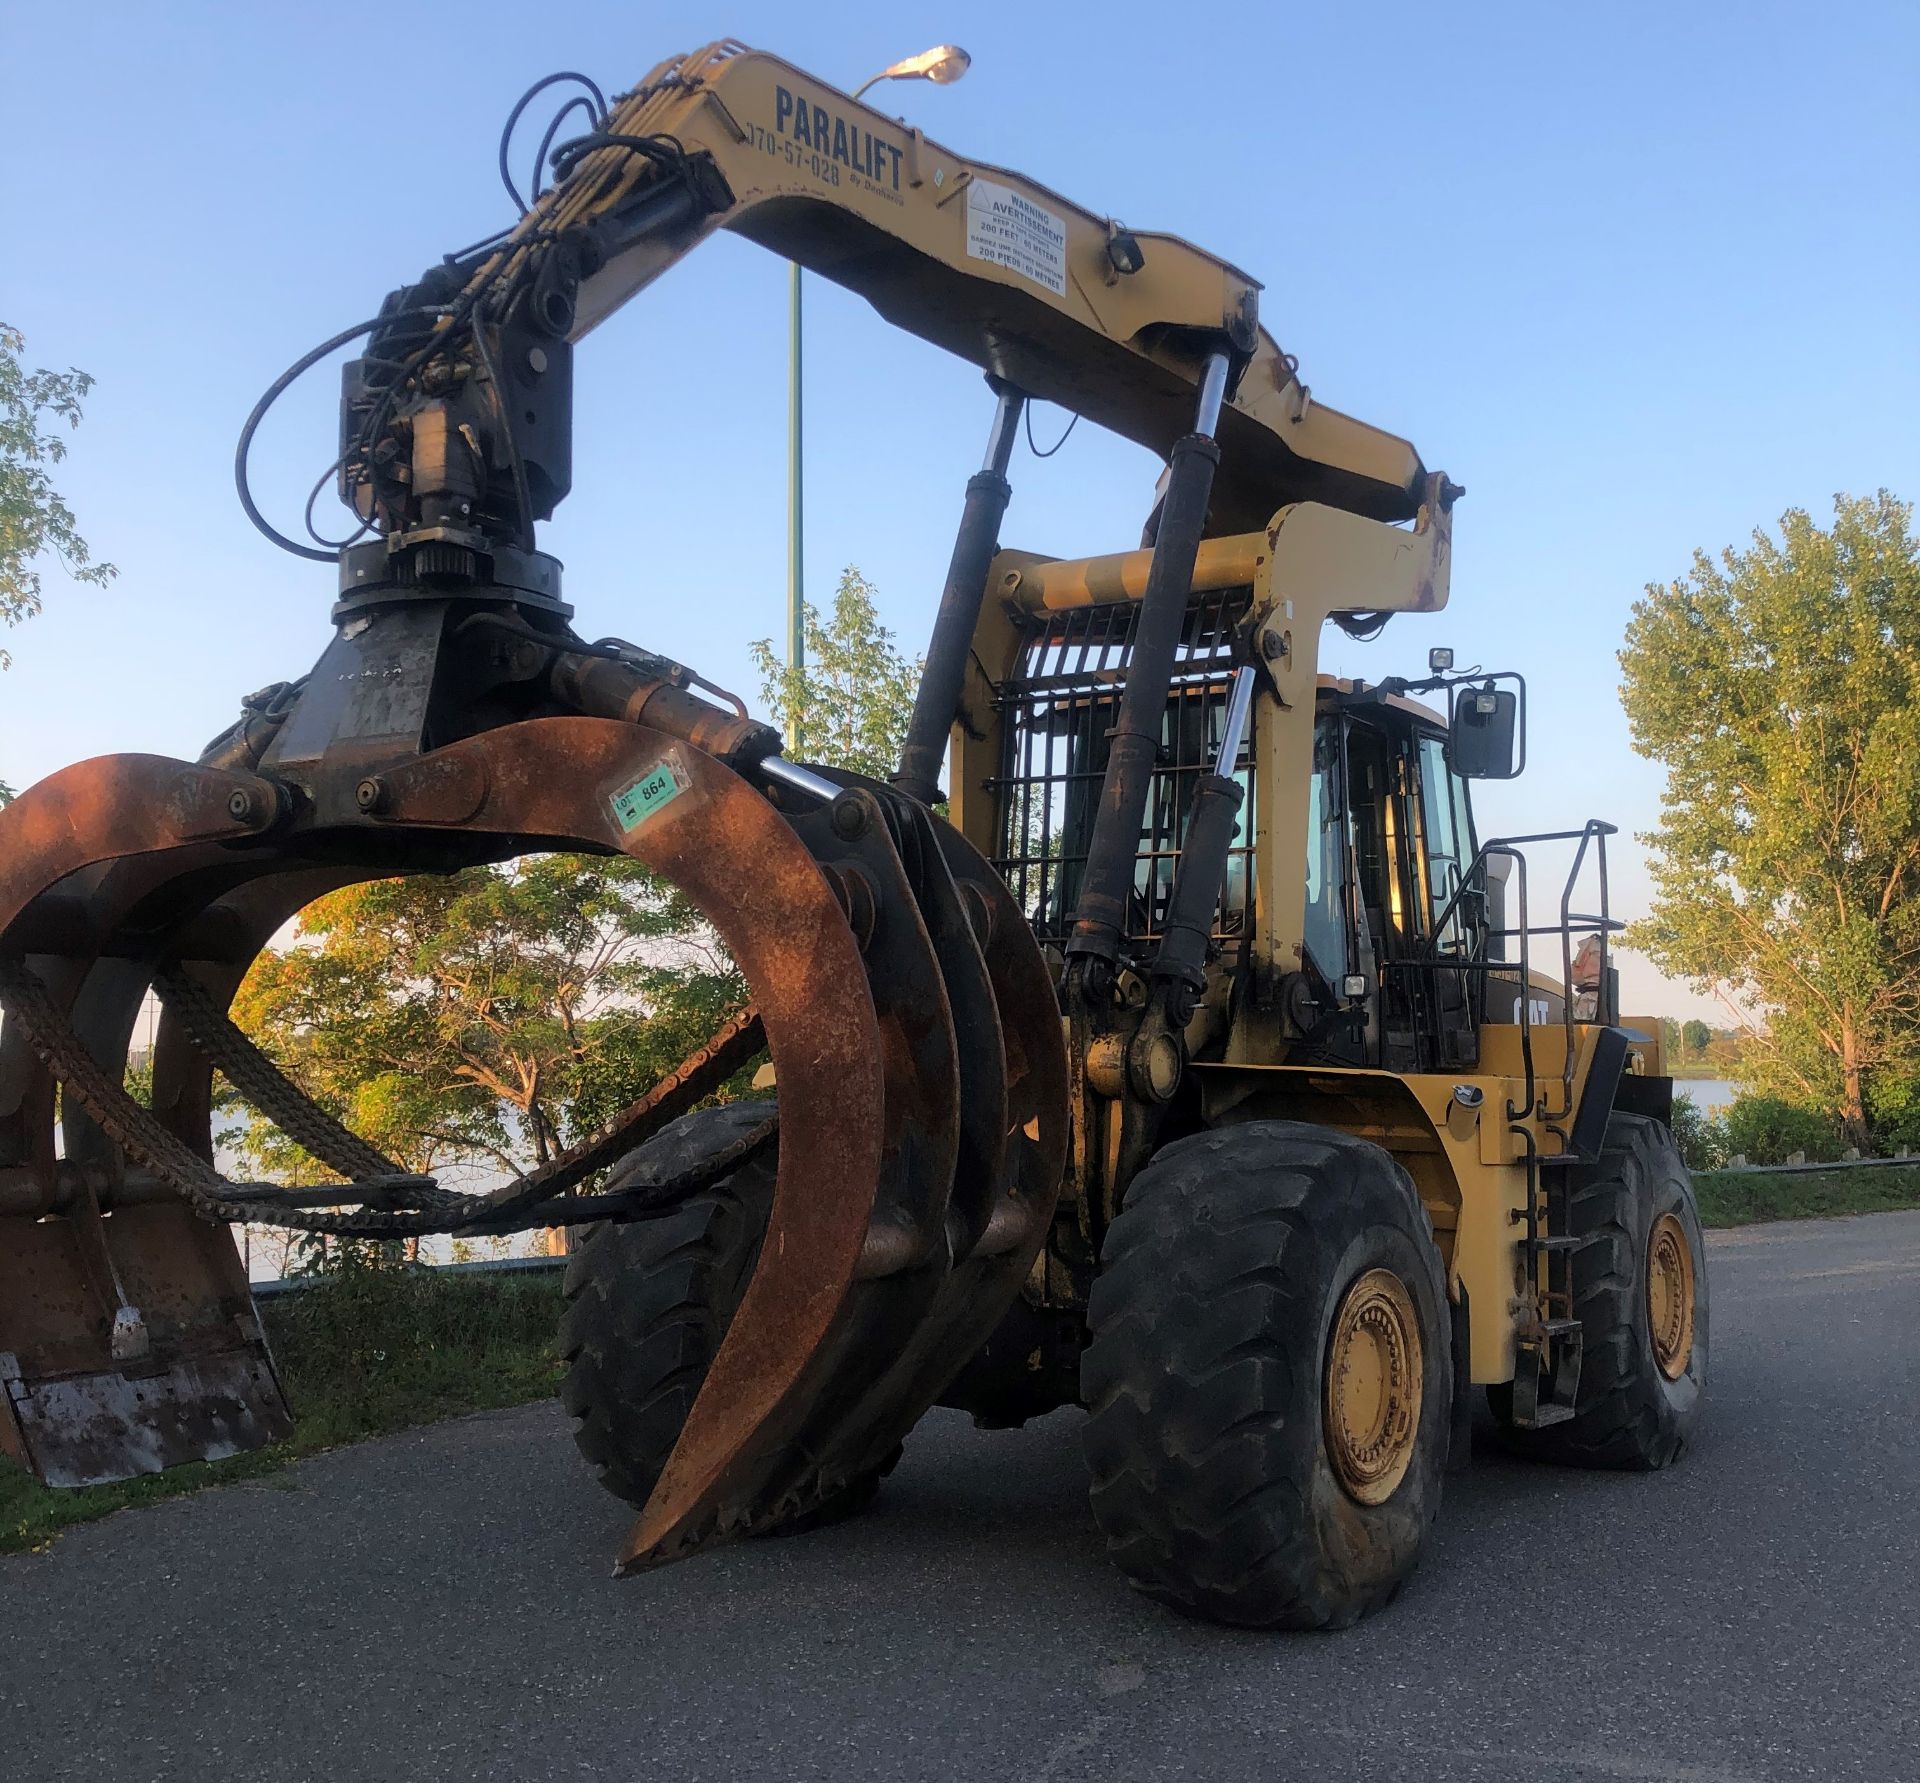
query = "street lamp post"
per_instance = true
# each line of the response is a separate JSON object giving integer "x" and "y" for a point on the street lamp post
{"x": 943, "y": 65}
{"x": 796, "y": 598}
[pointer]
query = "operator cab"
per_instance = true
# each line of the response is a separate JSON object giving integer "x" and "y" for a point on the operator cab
{"x": 1399, "y": 924}
{"x": 1390, "y": 843}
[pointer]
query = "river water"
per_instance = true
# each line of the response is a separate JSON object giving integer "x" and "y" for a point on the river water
{"x": 1710, "y": 1094}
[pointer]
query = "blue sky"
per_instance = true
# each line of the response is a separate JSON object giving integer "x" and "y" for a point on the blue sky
{"x": 1640, "y": 276}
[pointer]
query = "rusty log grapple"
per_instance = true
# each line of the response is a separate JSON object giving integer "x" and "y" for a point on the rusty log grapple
{"x": 894, "y": 984}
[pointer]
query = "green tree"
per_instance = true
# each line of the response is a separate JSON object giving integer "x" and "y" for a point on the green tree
{"x": 34, "y": 518}
{"x": 1770, "y": 1129}
{"x": 854, "y": 694}
{"x": 1696, "y": 1036}
{"x": 1780, "y": 688}
{"x": 1700, "y": 1136}
{"x": 487, "y": 1018}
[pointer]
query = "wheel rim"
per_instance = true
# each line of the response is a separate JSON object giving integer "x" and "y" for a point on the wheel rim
{"x": 1670, "y": 1295}
{"x": 1374, "y": 1387}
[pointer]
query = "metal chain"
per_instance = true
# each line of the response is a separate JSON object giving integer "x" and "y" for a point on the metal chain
{"x": 142, "y": 1137}
{"x": 123, "y": 1120}
{"x": 265, "y": 1085}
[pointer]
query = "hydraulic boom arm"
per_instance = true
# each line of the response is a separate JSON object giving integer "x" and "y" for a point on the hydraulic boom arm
{"x": 1050, "y": 299}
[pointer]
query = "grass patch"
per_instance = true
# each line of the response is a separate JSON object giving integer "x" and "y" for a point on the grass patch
{"x": 1735, "y": 1198}
{"x": 360, "y": 1354}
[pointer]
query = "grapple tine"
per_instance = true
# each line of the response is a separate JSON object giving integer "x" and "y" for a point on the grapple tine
{"x": 928, "y": 1333}
{"x": 748, "y": 872}
{"x": 905, "y": 1250}
{"x": 980, "y": 1157}
{"x": 985, "y": 1282}
{"x": 921, "y": 1311}
{"x": 1010, "y": 1208}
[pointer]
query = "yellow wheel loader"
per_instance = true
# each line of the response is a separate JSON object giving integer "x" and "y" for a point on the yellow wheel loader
{"x": 1191, "y": 1066}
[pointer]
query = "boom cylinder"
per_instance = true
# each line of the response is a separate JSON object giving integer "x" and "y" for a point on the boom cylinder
{"x": 1099, "y": 920}
{"x": 601, "y": 687}
{"x": 938, "y": 695}
{"x": 1179, "y": 968}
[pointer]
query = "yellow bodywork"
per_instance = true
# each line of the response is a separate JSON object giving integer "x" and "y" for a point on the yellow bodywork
{"x": 989, "y": 264}
{"x": 1313, "y": 513}
{"x": 1470, "y": 1165}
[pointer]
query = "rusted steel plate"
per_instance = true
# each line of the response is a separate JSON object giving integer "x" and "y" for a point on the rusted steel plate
{"x": 98, "y": 864}
{"x": 917, "y": 1040}
{"x": 66, "y": 1389}
{"x": 89, "y": 1429}
{"x": 117, "y": 805}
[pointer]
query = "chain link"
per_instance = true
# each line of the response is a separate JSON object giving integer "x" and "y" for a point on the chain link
{"x": 266, "y": 1086}
{"x": 144, "y": 1138}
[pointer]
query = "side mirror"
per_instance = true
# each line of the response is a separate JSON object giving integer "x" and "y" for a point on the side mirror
{"x": 1487, "y": 735}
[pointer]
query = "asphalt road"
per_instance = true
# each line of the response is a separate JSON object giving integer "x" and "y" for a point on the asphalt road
{"x": 437, "y": 1605}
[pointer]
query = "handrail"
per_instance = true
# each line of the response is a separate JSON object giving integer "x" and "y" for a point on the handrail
{"x": 1593, "y": 833}
{"x": 1554, "y": 1300}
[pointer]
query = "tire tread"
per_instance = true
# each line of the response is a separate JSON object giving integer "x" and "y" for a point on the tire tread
{"x": 1191, "y": 1461}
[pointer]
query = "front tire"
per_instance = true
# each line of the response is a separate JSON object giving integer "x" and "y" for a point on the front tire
{"x": 1640, "y": 1293}
{"x": 648, "y": 1303}
{"x": 1269, "y": 1377}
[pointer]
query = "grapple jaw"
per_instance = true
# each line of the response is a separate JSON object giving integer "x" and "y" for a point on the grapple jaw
{"x": 910, "y": 1018}
{"x": 973, "y": 1142}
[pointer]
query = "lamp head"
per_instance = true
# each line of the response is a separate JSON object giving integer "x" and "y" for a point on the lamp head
{"x": 943, "y": 65}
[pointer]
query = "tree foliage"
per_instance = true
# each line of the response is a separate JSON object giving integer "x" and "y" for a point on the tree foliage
{"x": 485, "y": 1018}
{"x": 1699, "y": 1135}
{"x": 1770, "y": 1130}
{"x": 854, "y": 693}
{"x": 34, "y": 519}
{"x": 1780, "y": 688}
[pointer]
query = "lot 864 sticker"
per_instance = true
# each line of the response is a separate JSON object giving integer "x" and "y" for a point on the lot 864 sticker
{"x": 657, "y": 788}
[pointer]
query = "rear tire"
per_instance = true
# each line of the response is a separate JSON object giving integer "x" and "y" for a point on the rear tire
{"x": 1227, "y": 1282}
{"x": 648, "y": 1303}
{"x": 1635, "y": 1207}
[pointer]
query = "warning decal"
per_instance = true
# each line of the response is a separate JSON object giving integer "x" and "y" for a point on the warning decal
{"x": 1018, "y": 234}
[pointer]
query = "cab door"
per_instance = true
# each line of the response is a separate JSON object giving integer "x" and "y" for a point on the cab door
{"x": 1408, "y": 832}
{"x": 1451, "y": 925}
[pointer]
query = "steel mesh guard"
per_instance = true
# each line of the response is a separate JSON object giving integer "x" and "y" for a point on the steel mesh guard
{"x": 1056, "y": 709}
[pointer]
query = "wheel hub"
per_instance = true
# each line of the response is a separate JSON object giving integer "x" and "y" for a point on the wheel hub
{"x": 1373, "y": 1392}
{"x": 1670, "y": 1295}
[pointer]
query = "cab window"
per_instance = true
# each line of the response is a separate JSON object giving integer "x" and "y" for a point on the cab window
{"x": 1325, "y": 931}
{"x": 1448, "y": 828}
